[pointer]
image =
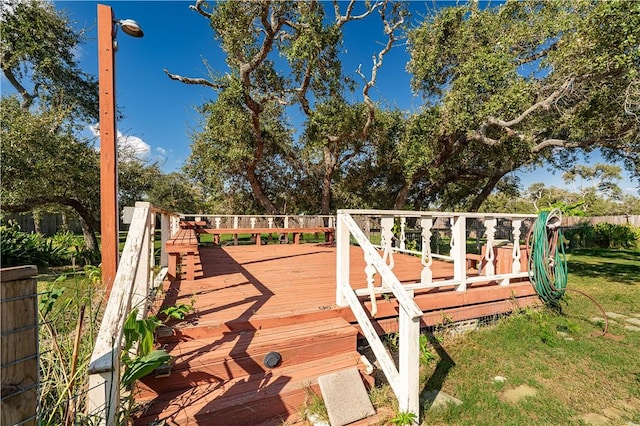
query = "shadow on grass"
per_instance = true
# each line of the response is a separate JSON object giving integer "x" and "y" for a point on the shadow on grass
{"x": 622, "y": 273}
{"x": 436, "y": 380}
{"x": 620, "y": 254}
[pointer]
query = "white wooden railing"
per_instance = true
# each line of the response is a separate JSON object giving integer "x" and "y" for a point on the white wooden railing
{"x": 392, "y": 228}
{"x": 222, "y": 221}
{"x": 135, "y": 281}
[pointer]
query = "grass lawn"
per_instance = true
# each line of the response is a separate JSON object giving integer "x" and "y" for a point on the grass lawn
{"x": 559, "y": 354}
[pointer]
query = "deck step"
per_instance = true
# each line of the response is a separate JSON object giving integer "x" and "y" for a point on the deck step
{"x": 220, "y": 358}
{"x": 273, "y": 394}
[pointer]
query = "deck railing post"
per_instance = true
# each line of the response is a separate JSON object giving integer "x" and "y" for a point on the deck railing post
{"x": 142, "y": 281}
{"x": 409, "y": 363}
{"x": 165, "y": 234}
{"x": 342, "y": 259}
{"x": 459, "y": 251}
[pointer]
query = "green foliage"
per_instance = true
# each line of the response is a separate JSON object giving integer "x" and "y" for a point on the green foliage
{"x": 140, "y": 332}
{"x": 604, "y": 235}
{"x": 609, "y": 235}
{"x": 489, "y": 76}
{"x": 19, "y": 248}
{"x": 143, "y": 365}
{"x": 404, "y": 418}
{"x": 178, "y": 312}
{"x": 69, "y": 309}
{"x": 425, "y": 352}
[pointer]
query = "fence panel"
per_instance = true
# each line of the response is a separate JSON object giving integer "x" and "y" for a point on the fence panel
{"x": 19, "y": 355}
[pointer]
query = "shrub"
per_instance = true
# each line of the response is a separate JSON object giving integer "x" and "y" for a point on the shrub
{"x": 19, "y": 248}
{"x": 604, "y": 235}
{"x": 608, "y": 235}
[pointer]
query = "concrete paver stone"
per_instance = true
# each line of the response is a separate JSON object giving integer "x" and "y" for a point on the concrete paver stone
{"x": 616, "y": 315}
{"x": 633, "y": 321}
{"x": 345, "y": 397}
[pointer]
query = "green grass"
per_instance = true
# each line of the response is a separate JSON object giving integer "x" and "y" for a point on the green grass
{"x": 574, "y": 373}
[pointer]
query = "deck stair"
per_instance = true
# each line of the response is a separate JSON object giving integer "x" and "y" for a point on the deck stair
{"x": 222, "y": 379}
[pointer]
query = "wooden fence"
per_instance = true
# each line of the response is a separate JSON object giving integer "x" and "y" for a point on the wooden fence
{"x": 633, "y": 220}
{"x": 19, "y": 356}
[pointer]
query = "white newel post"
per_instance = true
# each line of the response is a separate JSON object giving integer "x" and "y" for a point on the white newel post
{"x": 141, "y": 280}
{"x": 409, "y": 360}
{"x": 459, "y": 250}
{"x": 342, "y": 259}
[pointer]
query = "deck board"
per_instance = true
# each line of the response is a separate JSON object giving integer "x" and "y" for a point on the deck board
{"x": 242, "y": 283}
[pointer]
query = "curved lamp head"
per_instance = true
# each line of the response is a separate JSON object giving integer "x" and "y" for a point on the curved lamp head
{"x": 131, "y": 27}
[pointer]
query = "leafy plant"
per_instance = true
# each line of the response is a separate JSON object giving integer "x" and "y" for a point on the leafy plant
{"x": 404, "y": 418}
{"x": 178, "y": 312}
{"x": 140, "y": 332}
{"x": 425, "y": 354}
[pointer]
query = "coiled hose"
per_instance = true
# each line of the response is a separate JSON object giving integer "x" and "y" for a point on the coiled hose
{"x": 547, "y": 260}
{"x": 548, "y": 263}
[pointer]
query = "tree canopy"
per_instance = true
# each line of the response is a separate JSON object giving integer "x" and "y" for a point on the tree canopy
{"x": 520, "y": 84}
{"x": 506, "y": 87}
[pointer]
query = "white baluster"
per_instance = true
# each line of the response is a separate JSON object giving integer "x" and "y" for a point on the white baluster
{"x": 252, "y": 221}
{"x": 270, "y": 222}
{"x": 370, "y": 270}
{"x": 217, "y": 222}
{"x": 386, "y": 239}
{"x": 490, "y": 224}
{"x": 235, "y": 222}
{"x": 426, "y": 276}
{"x": 403, "y": 237}
{"x": 516, "y": 223}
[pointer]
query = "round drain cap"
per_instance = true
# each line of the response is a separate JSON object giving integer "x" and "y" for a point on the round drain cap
{"x": 272, "y": 359}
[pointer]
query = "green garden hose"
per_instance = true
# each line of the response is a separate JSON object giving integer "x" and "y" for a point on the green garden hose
{"x": 547, "y": 260}
{"x": 548, "y": 263}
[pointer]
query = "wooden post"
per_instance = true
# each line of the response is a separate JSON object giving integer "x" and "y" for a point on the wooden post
{"x": 459, "y": 251}
{"x": 409, "y": 360}
{"x": 19, "y": 356}
{"x": 108, "y": 147}
{"x": 342, "y": 259}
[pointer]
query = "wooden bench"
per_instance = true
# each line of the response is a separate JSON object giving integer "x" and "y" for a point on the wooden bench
{"x": 182, "y": 248}
{"x": 256, "y": 233}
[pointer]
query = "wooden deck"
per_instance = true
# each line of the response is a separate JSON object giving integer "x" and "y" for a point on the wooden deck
{"x": 252, "y": 300}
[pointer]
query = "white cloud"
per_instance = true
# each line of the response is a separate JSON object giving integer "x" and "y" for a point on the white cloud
{"x": 129, "y": 146}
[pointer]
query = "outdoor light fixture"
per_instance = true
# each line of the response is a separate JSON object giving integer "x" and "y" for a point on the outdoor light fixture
{"x": 130, "y": 27}
{"x": 109, "y": 212}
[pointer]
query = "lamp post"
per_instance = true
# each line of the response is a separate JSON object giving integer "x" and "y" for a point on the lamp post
{"x": 107, "y": 28}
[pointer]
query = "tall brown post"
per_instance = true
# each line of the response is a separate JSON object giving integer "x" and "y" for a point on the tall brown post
{"x": 108, "y": 146}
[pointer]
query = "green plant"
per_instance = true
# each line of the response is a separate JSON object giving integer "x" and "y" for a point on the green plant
{"x": 140, "y": 332}
{"x": 404, "y": 418}
{"x": 178, "y": 312}
{"x": 425, "y": 354}
{"x": 68, "y": 308}
{"x": 313, "y": 408}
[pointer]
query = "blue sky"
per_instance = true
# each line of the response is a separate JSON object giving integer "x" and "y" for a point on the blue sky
{"x": 159, "y": 114}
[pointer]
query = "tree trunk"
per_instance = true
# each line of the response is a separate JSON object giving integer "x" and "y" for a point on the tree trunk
{"x": 89, "y": 234}
{"x": 258, "y": 192}
{"x": 401, "y": 197}
{"x": 329, "y": 169}
{"x": 488, "y": 187}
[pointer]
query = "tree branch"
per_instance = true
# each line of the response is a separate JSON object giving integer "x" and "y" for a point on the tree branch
{"x": 545, "y": 104}
{"x": 198, "y": 8}
{"x": 27, "y": 98}
{"x": 343, "y": 19}
{"x": 191, "y": 80}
